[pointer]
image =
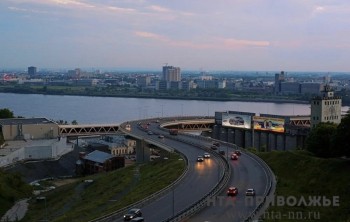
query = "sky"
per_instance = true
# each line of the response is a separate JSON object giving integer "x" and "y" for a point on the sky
{"x": 203, "y": 35}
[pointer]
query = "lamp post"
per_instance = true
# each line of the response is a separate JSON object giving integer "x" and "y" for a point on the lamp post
{"x": 208, "y": 109}
{"x": 182, "y": 110}
{"x": 173, "y": 201}
{"x": 162, "y": 109}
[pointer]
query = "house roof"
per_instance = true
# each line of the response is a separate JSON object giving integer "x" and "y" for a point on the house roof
{"x": 25, "y": 121}
{"x": 98, "y": 156}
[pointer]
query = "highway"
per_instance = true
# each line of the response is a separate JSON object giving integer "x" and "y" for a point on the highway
{"x": 201, "y": 178}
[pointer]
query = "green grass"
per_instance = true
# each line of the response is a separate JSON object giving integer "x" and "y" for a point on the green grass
{"x": 109, "y": 191}
{"x": 300, "y": 174}
{"x": 12, "y": 189}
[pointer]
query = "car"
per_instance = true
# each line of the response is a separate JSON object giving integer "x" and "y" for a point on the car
{"x": 138, "y": 219}
{"x": 232, "y": 191}
{"x": 234, "y": 156}
{"x": 237, "y": 120}
{"x": 206, "y": 155}
{"x": 132, "y": 213}
{"x": 150, "y": 133}
{"x": 222, "y": 152}
{"x": 200, "y": 159}
{"x": 161, "y": 137}
{"x": 237, "y": 152}
{"x": 216, "y": 144}
{"x": 250, "y": 192}
{"x": 213, "y": 147}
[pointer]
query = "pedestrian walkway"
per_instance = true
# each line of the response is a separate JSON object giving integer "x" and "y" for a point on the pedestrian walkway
{"x": 17, "y": 212}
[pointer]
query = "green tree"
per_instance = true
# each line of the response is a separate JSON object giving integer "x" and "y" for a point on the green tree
{"x": 6, "y": 113}
{"x": 320, "y": 141}
{"x": 342, "y": 141}
{"x": 74, "y": 122}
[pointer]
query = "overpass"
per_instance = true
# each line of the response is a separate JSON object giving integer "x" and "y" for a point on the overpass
{"x": 194, "y": 123}
{"x": 87, "y": 130}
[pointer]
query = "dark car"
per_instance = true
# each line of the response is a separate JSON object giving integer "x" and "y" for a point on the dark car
{"x": 200, "y": 159}
{"x": 237, "y": 152}
{"x": 250, "y": 192}
{"x": 132, "y": 213}
{"x": 222, "y": 152}
{"x": 216, "y": 144}
{"x": 138, "y": 219}
{"x": 232, "y": 191}
{"x": 213, "y": 147}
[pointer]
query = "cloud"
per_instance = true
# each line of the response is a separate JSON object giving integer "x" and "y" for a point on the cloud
{"x": 151, "y": 36}
{"x": 73, "y": 3}
{"x": 121, "y": 10}
{"x": 158, "y": 8}
{"x": 221, "y": 43}
{"x": 234, "y": 43}
{"x": 27, "y": 10}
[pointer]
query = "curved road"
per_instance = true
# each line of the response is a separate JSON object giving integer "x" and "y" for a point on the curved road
{"x": 246, "y": 172}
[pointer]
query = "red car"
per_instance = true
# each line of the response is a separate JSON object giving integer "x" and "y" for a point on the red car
{"x": 232, "y": 191}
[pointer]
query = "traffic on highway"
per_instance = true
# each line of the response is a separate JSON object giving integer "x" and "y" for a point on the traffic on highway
{"x": 205, "y": 157}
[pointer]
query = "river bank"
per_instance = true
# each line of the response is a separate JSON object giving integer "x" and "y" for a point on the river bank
{"x": 238, "y": 99}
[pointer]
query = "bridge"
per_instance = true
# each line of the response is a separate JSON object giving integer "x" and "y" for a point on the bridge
{"x": 194, "y": 123}
{"x": 87, "y": 130}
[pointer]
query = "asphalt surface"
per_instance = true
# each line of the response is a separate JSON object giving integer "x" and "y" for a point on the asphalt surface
{"x": 191, "y": 186}
{"x": 246, "y": 173}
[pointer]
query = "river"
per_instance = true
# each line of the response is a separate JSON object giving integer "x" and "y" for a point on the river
{"x": 88, "y": 110}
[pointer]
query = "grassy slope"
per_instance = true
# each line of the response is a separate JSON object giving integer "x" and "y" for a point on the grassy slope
{"x": 300, "y": 174}
{"x": 81, "y": 202}
{"x": 12, "y": 188}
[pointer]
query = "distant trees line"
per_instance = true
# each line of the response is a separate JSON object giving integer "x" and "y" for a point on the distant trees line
{"x": 127, "y": 91}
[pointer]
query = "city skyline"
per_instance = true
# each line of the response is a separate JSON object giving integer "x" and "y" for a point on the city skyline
{"x": 292, "y": 35}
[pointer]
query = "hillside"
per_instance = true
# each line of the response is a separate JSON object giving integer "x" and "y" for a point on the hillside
{"x": 12, "y": 189}
{"x": 301, "y": 175}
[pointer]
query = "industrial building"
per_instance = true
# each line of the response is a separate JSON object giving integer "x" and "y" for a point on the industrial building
{"x": 31, "y": 139}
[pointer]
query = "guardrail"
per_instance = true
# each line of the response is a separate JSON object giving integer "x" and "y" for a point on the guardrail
{"x": 200, "y": 204}
{"x": 272, "y": 182}
{"x": 118, "y": 214}
{"x": 270, "y": 176}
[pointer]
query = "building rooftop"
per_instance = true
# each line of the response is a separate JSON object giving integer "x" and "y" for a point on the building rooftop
{"x": 12, "y": 146}
{"x": 25, "y": 121}
{"x": 98, "y": 156}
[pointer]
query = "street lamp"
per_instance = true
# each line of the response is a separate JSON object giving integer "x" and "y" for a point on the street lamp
{"x": 173, "y": 200}
{"x": 162, "y": 105}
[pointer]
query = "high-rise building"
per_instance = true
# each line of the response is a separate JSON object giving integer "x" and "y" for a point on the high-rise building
{"x": 171, "y": 74}
{"x": 75, "y": 74}
{"x": 279, "y": 78}
{"x": 326, "y": 108}
{"x": 143, "y": 81}
{"x": 31, "y": 70}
